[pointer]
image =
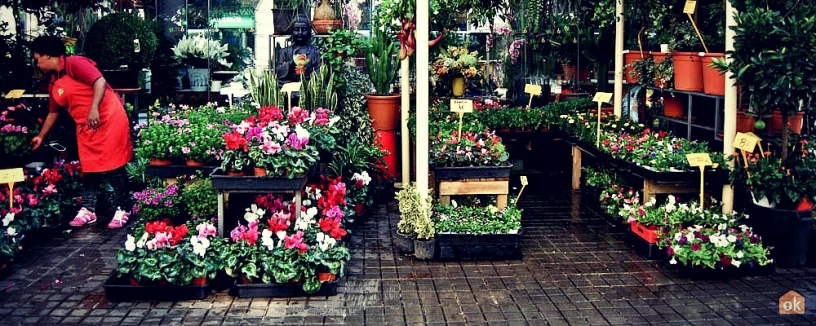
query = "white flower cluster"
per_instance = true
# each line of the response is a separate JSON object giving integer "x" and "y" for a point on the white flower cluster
{"x": 203, "y": 48}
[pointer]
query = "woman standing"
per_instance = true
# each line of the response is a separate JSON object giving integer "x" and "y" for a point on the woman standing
{"x": 102, "y": 128}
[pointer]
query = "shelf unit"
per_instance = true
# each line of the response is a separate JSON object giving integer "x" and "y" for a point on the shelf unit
{"x": 715, "y": 128}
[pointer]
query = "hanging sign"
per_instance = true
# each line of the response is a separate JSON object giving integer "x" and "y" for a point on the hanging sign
{"x": 11, "y": 176}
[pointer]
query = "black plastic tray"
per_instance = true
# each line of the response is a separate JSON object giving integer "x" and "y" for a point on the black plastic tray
{"x": 172, "y": 171}
{"x": 277, "y": 290}
{"x": 221, "y": 181}
{"x": 472, "y": 172}
{"x": 479, "y": 247}
{"x": 119, "y": 289}
{"x": 643, "y": 248}
{"x": 724, "y": 273}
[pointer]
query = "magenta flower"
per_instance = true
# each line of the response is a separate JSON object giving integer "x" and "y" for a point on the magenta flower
{"x": 695, "y": 246}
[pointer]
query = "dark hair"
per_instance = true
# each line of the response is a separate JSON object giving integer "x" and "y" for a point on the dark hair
{"x": 48, "y": 45}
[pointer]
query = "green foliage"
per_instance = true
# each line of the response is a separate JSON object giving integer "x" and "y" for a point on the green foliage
{"x": 465, "y": 219}
{"x": 415, "y": 212}
{"x": 354, "y": 123}
{"x": 318, "y": 91}
{"x": 264, "y": 88}
{"x": 200, "y": 199}
{"x": 382, "y": 61}
{"x": 110, "y": 42}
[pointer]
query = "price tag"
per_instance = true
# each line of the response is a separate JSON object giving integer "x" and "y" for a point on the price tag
{"x": 463, "y": 106}
{"x": 690, "y": 6}
{"x": 745, "y": 142}
{"x": 11, "y": 175}
{"x": 602, "y": 97}
{"x": 532, "y": 89}
{"x": 15, "y": 94}
{"x": 699, "y": 159}
{"x": 290, "y": 87}
{"x": 524, "y": 180}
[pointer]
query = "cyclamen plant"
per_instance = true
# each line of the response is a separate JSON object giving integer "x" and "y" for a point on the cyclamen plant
{"x": 472, "y": 149}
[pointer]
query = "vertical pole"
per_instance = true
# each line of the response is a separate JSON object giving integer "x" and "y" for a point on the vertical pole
{"x": 618, "y": 59}
{"x": 422, "y": 94}
{"x": 730, "y": 108}
{"x": 405, "y": 107}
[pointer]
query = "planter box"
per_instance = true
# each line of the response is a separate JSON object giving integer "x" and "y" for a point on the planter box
{"x": 221, "y": 181}
{"x": 119, "y": 289}
{"x": 472, "y": 172}
{"x": 259, "y": 290}
{"x": 644, "y": 248}
{"x": 479, "y": 247}
{"x": 172, "y": 171}
{"x": 785, "y": 231}
{"x": 724, "y": 272}
{"x": 650, "y": 233}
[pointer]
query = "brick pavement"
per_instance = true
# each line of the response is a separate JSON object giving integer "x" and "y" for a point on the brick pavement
{"x": 576, "y": 271}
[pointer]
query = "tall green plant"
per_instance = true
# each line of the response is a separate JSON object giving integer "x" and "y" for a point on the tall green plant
{"x": 318, "y": 91}
{"x": 264, "y": 87}
{"x": 381, "y": 61}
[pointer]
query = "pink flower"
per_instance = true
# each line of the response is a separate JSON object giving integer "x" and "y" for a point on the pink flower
{"x": 296, "y": 241}
{"x": 205, "y": 230}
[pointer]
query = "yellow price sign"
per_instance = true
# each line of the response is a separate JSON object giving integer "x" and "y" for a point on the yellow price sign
{"x": 12, "y": 175}
{"x": 745, "y": 142}
{"x": 524, "y": 180}
{"x": 15, "y": 94}
{"x": 602, "y": 97}
{"x": 690, "y": 7}
{"x": 463, "y": 106}
{"x": 290, "y": 87}
{"x": 532, "y": 89}
{"x": 699, "y": 159}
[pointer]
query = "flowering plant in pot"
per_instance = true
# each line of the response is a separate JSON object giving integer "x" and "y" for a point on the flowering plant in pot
{"x": 199, "y": 198}
{"x": 455, "y": 62}
{"x": 201, "y": 143}
{"x": 161, "y": 138}
{"x": 357, "y": 194}
{"x": 199, "y": 51}
{"x": 484, "y": 148}
{"x": 714, "y": 247}
{"x": 157, "y": 203}
{"x": 476, "y": 219}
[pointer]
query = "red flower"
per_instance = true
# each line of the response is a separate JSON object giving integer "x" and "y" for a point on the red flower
{"x": 177, "y": 234}
{"x": 156, "y": 227}
{"x": 695, "y": 246}
{"x": 234, "y": 141}
{"x": 332, "y": 227}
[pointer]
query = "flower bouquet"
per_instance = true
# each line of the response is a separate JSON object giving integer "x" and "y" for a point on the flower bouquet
{"x": 455, "y": 62}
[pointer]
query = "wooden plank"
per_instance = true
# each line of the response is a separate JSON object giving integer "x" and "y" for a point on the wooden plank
{"x": 650, "y": 189}
{"x": 576, "y": 168}
{"x": 474, "y": 188}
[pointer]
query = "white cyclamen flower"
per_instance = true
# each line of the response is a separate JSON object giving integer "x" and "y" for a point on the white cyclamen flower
{"x": 11, "y": 231}
{"x": 254, "y": 213}
{"x": 141, "y": 242}
{"x": 130, "y": 244}
{"x": 8, "y": 219}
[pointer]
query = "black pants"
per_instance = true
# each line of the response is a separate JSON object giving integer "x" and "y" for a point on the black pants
{"x": 111, "y": 186}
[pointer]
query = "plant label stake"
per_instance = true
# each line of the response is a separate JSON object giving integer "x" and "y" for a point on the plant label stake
{"x": 688, "y": 9}
{"x": 11, "y": 176}
{"x": 746, "y": 144}
{"x": 601, "y": 98}
{"x": 461, "y": 107}
{"x": 15, "y": 94}
{"x": 700, "y": 160}
{"x": 289, "y": 88}
{"x": 533, "y": 90}
{"x": 758, "y": 141}
{"x": 523, "y": 184}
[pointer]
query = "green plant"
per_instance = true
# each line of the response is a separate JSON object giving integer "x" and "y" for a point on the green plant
{"x": 414, "y": 210}
{"x": 664, "y": 72}
{"x": 472, "y": 149}
{"x": 263, "y": 84}
{"x": 318, "y": 91}
{"x": 381, "y": 61}
{"x": 354, "y": 123}
{"x": 201, "y": 51}
{"x": 159, "y": 203}
{"x": 160, "y": 139}
{"x": 200, "y": 199}
{"x": 465, "y": 219}
{"x": 643, "y": 71}
{"x": 111, "y": 42}
{"x": 201, "y": 141}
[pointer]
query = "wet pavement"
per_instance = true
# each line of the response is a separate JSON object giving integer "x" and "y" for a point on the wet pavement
{"x": 576, "y": 270}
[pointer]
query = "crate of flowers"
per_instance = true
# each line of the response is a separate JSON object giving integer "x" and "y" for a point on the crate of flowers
{"x": 474, "y": 230}
{"x": 474, "y": 155}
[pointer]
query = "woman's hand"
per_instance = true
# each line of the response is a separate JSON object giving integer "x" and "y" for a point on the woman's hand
{"x": 36, "y": 142}
{"x": 93, "y": 119}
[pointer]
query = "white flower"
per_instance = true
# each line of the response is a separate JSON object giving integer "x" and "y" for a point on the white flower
{"x": 281, "y": 235}
{"x": 453, "y": 203}
{"x": 673, "y": 261}
{"x": 304, "y": 221}
{"x": 740, "y": 255}
{"x": 334, "y": 120}
{"x": 9, "y": 217}
{"x": 142, "y": 240}
{"x": 301, "y": 132}
{"x": 362, "y": 176}
{"x": 736, "y": 263}
{"x": 11, "y": 231}
{"x": 311, "y": 212}
{"x": 266, "y": 239}
{"x": 325, "y": 242}
{"x": 307, "y": 202}
{"x": 130, "y": 244}
{"x": 732, "y": 238}
{"x": 200, "y": 245}
{"x": 254, "y": 213}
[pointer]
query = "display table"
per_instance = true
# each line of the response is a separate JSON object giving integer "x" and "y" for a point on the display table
{"x": 251, "y": 184}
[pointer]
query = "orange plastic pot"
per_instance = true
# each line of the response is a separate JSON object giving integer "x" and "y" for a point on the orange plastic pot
{"x": 688, "y": 71}
{"x": 630, "y": 57}
{"x": 383, "y": 111}
{"x": 713, "y": 82}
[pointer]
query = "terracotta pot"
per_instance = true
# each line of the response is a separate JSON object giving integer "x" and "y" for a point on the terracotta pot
{"x": 630, "y": 57}
{"x": 383, "y": 111}
{"x": 160, "y": 161}
{"x": 324, "y": 27}
{"x": 233, "y": 173}
{"x": 570, "y": 72}
{"x": 259, "y": 172}
{"x": 245, "y": 280}
{"x": 775, "y": 122}
{"x": 199, "y": 281}
{"x": 745, "y": 123}
{"x": 672, "y": 107}
{"x": 326, "y": 277}
{"x": 658, "y": 58}
{"x": 688, "y": 71}
{"x": 194, "y": 163}
{"x": 713, "y": 82}
{"x": 458, "y": 86}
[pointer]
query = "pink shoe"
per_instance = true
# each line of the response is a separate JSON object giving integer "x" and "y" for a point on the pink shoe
{"x": 84, "y": 216}
{"x": 119, "y": 219}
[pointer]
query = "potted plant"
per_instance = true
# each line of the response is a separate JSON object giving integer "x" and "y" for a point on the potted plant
{"x": 157, "y": 204}
{"x": 159, "y": 140}
{"x": 717, "y": 248}
{"x": 472, "y": 149}
{"x": 199, "y": 198}
{"x": 771, "y": 64}
{"x": 325, "y": 18}
{"x": 457, "y": 65}
{"x": 381, "y": 61}
{"x": 471, "y": 229}
{"x": 411, "y": 207}
{"x": 424, "y": 243}
{"x": 121, "y": 39}
{"x": 201, "y": 53}
{"x": 687, "y": 63}
{"x": 200, "y": 143}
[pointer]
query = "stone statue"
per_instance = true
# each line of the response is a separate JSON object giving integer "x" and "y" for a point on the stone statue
{"x": 300, "y": 58}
